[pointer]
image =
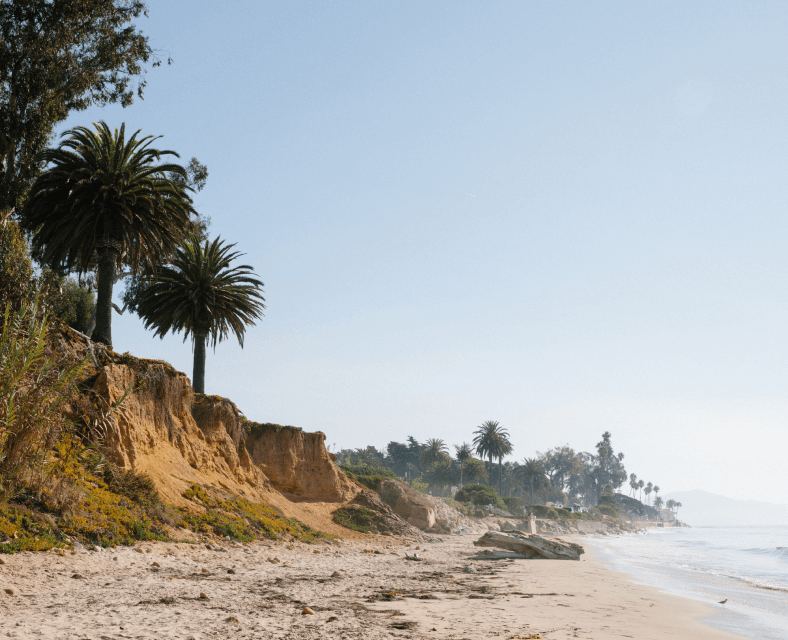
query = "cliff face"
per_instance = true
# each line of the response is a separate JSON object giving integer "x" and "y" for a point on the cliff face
{"x": 161, "y": 428}
{"x": 298, "y": 463}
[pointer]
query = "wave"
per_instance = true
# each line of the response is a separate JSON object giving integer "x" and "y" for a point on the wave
{"x": 776, "y": 552}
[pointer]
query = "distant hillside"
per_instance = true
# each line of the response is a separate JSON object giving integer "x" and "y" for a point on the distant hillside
{"x": 703, "y": 509}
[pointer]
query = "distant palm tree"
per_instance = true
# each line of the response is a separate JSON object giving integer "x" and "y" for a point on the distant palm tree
{"x": 641, "y": 484}
{"x": 657, "y": 503}
{"x": 655, "y": 489}
{"x": 633, "y": 484}
{"x": 474, "y": 470}
{"x": 104, "y": 201}
{"x": 677, "y": 505}
{"x": 647, "y": 491}
{"x": 201, "y": 294}
{"x": 492, "y": 440}
{"x": 464, "y": 453}
{"x": 435, "y": 450}
{"x": 441, "y": 473}
{"x": 531, "y": 473}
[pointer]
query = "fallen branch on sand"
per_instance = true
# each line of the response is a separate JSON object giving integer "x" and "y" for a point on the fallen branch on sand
{"x": 527, "y": 546}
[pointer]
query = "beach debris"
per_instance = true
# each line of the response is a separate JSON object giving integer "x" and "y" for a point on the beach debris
{"x": 231, "y": 571}
{"x": 415, "y": 557}
{"x": 155, "y": 564}
{"x": 332, "y": 619}
{"x": 527, "y": 546}
{"x": 468, "y": 570}
{"x": 203, "y": 596}
{"x": 9, "y": 591}
{"x": 336, "y": 574}
{"x": 78, "y": 576}
{"x": 723, "y": 601}
{"x": 205, "y": 571}
{"x": 232, "y": 619}
{"x": 306, "y": 611}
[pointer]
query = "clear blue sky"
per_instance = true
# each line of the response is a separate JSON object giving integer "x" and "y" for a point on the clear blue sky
{"x": 569, "y": 217}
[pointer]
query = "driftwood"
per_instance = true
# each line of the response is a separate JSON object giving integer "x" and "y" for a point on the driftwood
{"x": 531, "y": 546}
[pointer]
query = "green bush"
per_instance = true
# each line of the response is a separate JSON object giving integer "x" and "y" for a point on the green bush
{"x": 72, "y": 301}
{"x": 480, "y": 495}
{"x": 370, "y": 477}
{"x": 608, "y": 510}
{"x": 514, "y": 505}
{"x": 355, "y": 517}
{"x": 135, "y": 486}
{"x": 16, "y": 268}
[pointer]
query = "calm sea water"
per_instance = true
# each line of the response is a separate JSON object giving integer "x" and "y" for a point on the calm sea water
{"x": 746, "y": 565}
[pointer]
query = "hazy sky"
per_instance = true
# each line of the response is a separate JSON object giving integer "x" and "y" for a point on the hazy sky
{"x": 568, "y": 217}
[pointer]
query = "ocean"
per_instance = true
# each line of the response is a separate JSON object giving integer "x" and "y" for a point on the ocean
{"x": 746, "y": 565}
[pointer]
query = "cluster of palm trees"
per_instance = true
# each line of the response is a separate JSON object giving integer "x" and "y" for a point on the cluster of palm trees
{"x": 647, "y": 488}
{"x": 105, "y": 202}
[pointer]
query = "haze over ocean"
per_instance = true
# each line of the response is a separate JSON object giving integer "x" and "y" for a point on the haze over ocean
{"x": 569, "y": 218}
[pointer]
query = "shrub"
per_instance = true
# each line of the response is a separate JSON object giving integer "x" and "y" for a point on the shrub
{"x": 370, "y": 477}
{"x": 72, "y": 301}
{"x": 355, "y": 517}
{"x": 514, "y": 505}
{"x": 137, "y": 487}
{"x": 35, "y": 387}
{"x": 16, "y": 268}
{"x": 479, "y": 494}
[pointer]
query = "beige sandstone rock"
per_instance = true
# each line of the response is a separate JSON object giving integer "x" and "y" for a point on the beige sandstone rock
{"x": 408, "y": 504}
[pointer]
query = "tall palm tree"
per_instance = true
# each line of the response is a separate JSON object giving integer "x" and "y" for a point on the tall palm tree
{"x": 633, "y": 484}
{"x": 504, "y": 449}
{"x": 105, "y": 200}
{"x": 657, "y": 503}
{"x": 655, "y": 489}
{"x": 492, "y": 441}
{"x": 435, "y": 450}
{"x": 641, "y": 484}
{"x": 531, "y": 473}
{"x": 649, "y": 488}
{"x": 464, "y": 453}
{"x": 201, "y": 294}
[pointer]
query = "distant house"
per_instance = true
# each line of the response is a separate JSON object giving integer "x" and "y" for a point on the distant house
{"x": 666, "y": 515}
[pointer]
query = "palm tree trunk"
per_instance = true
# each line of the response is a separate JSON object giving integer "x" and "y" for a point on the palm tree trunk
{"x": 198, "y": 374}
{"x": 106, "y": 279}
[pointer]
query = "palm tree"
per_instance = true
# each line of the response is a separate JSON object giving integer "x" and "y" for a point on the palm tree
{"x": 531, "y": 473}
{"x": 641, "y": 484}
{"x": 435, "y": 450}
{"x": 648, "y": 490}
{"x": 474, "y": 470}
{"x": 492, "y": 440}
{"x": 633, "y": 484}
{"x": 677, "y": 505}
{"x": 104, "y": 201}
{"x": 657, "y": 503}
{"x": 464, "y": 453}
{"x": 200, "y": 294}
{"x": 655, "y": 489}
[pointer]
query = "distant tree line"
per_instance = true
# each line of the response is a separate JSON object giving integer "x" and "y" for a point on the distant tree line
{"x": 558, "y": 475}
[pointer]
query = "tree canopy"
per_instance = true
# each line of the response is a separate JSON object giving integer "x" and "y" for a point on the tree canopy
{"x": 56, "y": 58}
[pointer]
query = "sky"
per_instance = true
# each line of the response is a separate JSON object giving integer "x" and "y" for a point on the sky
{"x": 567, "y": 217}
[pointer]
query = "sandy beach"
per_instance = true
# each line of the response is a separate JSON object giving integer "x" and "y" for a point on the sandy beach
{"x": 356, "y": 589}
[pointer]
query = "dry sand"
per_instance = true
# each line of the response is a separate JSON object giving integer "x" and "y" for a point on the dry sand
{"x": 120, "y": 593}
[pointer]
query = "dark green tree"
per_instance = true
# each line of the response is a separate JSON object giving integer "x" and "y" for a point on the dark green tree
{"x": 105, "y": 200}
{"x": 435, "y": 450}
{"x": 532, "y": 475}
{"x": 58, "y": 57}
{"x": 200, "y": 293}
{"x": 464, "y": 453}
{"x": 492, "y": 440}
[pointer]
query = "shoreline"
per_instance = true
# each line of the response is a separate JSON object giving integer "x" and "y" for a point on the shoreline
{"x": 367, "y": 587}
